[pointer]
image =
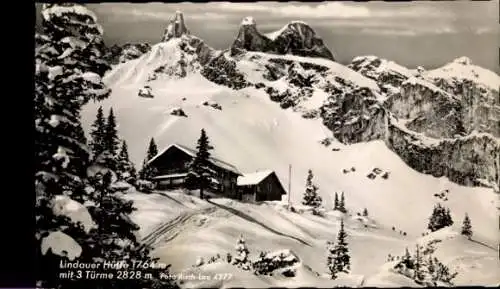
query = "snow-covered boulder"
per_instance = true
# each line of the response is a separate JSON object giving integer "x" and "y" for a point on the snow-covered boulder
{"x": 146, "y": 92}
{"x": 212, "y": 103}
{"x": 121, "y": 186}
{"x": 61, "y": 244}
{"x": 282, "y": 262}
{"x": 145, "y": 186}
{"x": 78, "y": 213}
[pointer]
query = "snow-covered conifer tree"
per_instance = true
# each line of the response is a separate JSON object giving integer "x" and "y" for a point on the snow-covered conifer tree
{"x": 467, "y": 227}
{"x": 311, "y": 197}
{"x": 336, "y": 202}
{"x": 147, "y": 172}
{"x": 341, "y": 206}
{"x": 338, "y": 259}
{"x": 241, "y": 258}
{"x": 97, "y": 133}
{"x": 125, "y": 168}
{"x": 200, "y": 174}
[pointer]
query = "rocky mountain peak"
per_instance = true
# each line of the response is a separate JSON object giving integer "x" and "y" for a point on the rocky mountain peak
{"x": 464, "y": 60}
{"x": 176, "y": 27}
{"x": 249, "y": 20}
{"x": 296, "y": 38}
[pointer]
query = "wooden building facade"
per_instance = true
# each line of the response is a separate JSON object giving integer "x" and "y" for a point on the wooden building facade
{"x": 260, "y": 186}
{"x": 172, "y": 166}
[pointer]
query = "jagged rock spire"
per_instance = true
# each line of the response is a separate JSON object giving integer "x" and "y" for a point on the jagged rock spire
{"x": 176, "y": 28}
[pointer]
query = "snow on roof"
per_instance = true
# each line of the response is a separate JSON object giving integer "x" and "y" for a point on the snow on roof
{"x": 253, "y": 178}
{"x": 170, "y": 176}
{"x": 248, "y": 21}
{"x": 191, "y": 152}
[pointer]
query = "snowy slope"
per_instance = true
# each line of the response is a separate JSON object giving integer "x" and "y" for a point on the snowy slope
{"x": 270, "y": 227}
{"x": 253, "y": 133}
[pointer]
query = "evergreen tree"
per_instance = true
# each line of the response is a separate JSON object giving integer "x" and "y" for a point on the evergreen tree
{"x": 147, "y": 172}
{"x": 336, "y": 202}
{"x": 97, "y": 133}
{"x": 418, "y": 266}
{"x": 311, "y": 197}
{"x": 338, "y": 259}
{"x": 111, "y": 140}
{"x": 341, "y": 206}
{"x": 152, "y": 149}
{"x": 68, "y": 75}
{"x": 125, "y": 168}
{"x": 440, "y": 218}
{"x": 365, "y": 212}
{"x": 199, "y": 172}
{"x": 467, "y": 227}
{"x": 241, "y": 259}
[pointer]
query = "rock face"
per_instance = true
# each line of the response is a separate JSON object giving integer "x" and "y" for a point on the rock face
{"x": 119, "y": 54}
{"x": 471, "y": 160}
{"x": 176, "y": 28}
{"x": 436, "y": 118}
{"x": 295, "y": 38}
{"x": 478, "y": 91}
{"x": 427, "y": 109}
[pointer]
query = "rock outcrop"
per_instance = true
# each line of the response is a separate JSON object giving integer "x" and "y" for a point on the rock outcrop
{"x": 176, "y": 28}
{"x": 295, "y": 38}
{"x": 117, "y": 54}
{"x": 478, "y": 91}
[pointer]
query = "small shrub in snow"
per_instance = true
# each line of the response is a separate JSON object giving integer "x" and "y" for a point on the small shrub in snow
{"x": 466, "y": 227}
{"x": 377, "y": 171}
{"x": 241, "y": 259}
{"x": 145, "y": 186}
{"x": 326, "y": 141}
{"x": 269, "y": 262}
{"x": 353, "y": 169}
{"x": 200, "y": 262}
{"x": 365, "y": 212}
{"x": 229, "y": 258}
{"x": 178, "y": 112}
{"x": 371, "y": 176}
{"x": 385, "y": 176}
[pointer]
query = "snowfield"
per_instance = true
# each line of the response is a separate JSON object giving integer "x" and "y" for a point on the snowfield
{"x": 270, "y": 227}
{"x": 255, "y": 134}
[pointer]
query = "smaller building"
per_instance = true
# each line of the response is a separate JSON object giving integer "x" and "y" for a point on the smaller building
{"x": 260, "y": 186}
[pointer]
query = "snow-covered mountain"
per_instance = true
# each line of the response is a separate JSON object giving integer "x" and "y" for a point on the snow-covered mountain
{"x": 275, "y": 104}
{"x": 281, "y": 108}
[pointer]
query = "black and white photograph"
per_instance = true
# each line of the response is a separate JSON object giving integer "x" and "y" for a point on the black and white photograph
{"x": 267, "y": 144}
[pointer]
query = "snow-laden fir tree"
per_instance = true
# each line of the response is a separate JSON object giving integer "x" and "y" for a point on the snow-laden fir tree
{"x": 147, "y": 172}
{"x": 418, "y": 266}
{"x": 440, "y": 218}
{"x": 311, "y": 197}
{"x": 241, "y": 259}
{"x": 200, "y": 173}
{"x": 338, "y": 259}
{"x": 97, "y": 133}
{"x": 466, "y": 227}
{"x": 341, "y": 206}
{"x": 111, "y": 140}
{"x": 365, "y": 212}
{"x": 66, "y": 78}
{"x": 125, "y": 168}
{"x": 68, "y": 74}
{"x": 336, "y": 202}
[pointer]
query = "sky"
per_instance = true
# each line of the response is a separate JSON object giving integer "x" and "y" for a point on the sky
{"x": 426, "y": 33}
